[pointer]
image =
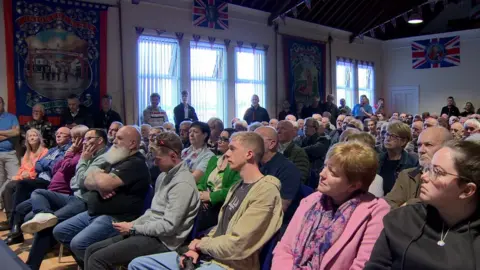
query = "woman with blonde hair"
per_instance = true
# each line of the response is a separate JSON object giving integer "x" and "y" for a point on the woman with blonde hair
{"x": 337, "y": 226}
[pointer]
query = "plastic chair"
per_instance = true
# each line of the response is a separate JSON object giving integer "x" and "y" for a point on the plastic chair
{"x": 148, "y": 199}
{"x": 266, "y": 255}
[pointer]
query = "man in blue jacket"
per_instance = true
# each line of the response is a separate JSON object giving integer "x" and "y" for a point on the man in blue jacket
{"x": 18, "y": 191}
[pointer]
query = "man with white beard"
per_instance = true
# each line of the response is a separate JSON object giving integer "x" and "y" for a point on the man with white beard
{"x": 117, "y": 193}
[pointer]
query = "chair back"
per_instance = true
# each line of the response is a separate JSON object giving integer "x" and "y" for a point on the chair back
{"x": 305, "y": 191}
{"x": 266, "y": 255}
{"x": 148, "y": 199}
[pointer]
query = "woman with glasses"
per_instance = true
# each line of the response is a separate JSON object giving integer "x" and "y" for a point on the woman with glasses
{"x": 442, "y": 232}
{"x": 337, "y": 226}
{"x": 215, "y": 183}
{"x": 395, "y": 159}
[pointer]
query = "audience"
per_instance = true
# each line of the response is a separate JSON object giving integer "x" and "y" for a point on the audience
{"x": 116, "y": 194}
{"x": 256, "y": 113}
{"x": 430, "y": 122}
{"x": 168, "y": 127}
{"x": 380, "y": 106}
{"x": 416, "y": 128}
{"x": 471, "y": 126}
{"x": 39, "y": 122}
{"x": 253, "y": 126}
{"x": 363, "y": 109}
{"x": 106, "y": 116}
{"x": 417, "y": 236}
{"x": 468, "y": 110}
{"x": 329, "y": 106}
{"x": 298, "y": 156}
{"x": 163, "y": 227}
{"x": 395, "y": 158}
{"x": 154, "y": 115}
{"x": 198, "y": 154}
{"x": 314, "y": 108}
{"x": 145, "y": 131}
{"x": 343, "y": 108}
{"x": 457, "y": 131}
{"x": 183, "y": 132}
{"x": 216, "y": 128}
{"x": 372, "y": 127}
{"x": 75, "y": 114}
{"x": 52, "y": 207}
{"x": 215, "y": 183}
{"x": 115, "y": 126}
{"x": 335, "y": 135}
{"x": 286, "y": 110}
{"x": 315, "y": 143}
{"x": 184, "y": 112}
{"x": 407, "y": 185}
{"x": 273, "y": 123}
{"x": 241, "y": 125}
{"x": 336, "y": 227}
{"x": 252, "y": 214}
{"x": 290, "y": 117}
{"x": 277, "y": 165}
{"x": 450, "y": 109}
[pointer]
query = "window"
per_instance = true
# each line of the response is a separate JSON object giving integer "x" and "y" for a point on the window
{"x": 345, "y": 82}
{"x": 366, "y": 82}
{"x": 158, "y": 72}
{"x": 354, "y": 78}
{"x": 249, "y": 78}
{"x": 208, "y": 80}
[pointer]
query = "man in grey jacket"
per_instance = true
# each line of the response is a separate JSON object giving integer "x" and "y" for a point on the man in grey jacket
{"x": 163, "y": 227}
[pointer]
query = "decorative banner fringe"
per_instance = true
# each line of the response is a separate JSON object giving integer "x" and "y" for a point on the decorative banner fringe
{"x": 432, "y": 6}
{"x": 394, "y": 22}
{"x": 196, "y": 38}
{"x": 282, "y": 17}
{"x": 308, "y": 3}
{"x": 211, "y": 40}
{"x": 295, "y": 12}
{"x": 265, "y": 47}
{"x": 254, "y": 46}
{"x": 405, "y": 16}
{"x": 179, "y": 36}
{"x": 139, "y": 30}
{"x": 360, "y": 36}
{"x": 227, "y": 43}
{"x": 372, "y": 33}
{"x": 240, "y": 44}
{"x": 382, "y": 27}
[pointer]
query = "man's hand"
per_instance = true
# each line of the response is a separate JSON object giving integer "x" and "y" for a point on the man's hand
{"x": 107, "y": 195}
{"x": 123, "y": 227}
{"x": 205, "y": 196}
{"x": 190, "y": 254}
{"x": 88, "y": 152}
{"x": 193, "y": 245}
{"x": 25, "y": 175}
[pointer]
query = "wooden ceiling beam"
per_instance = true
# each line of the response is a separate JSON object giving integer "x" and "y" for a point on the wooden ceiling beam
{"x": 314, "y": 7}
{"x": 367, "y": 6}
{"x": 340, "y": 20}
{"x": 337, "y": 9}
{"x": 319, "y": 14}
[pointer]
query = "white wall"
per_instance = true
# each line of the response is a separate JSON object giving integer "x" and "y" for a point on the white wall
{"x": 245, "y": 24}
{"x": 435, "y": 84}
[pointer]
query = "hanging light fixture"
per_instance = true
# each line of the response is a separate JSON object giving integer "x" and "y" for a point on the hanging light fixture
{"x": 416, "y": 17}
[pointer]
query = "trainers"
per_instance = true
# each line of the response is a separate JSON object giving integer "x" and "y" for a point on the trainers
{"x": 39, "y": 222}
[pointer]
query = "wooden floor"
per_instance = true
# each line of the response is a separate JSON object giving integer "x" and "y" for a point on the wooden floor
{"x": 50, "y": 261}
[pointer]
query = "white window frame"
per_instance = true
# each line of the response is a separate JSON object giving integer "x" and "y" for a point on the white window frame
{"x": 354, "y": 91}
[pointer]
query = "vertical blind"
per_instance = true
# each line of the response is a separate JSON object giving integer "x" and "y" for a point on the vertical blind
{"x": 158, "y": 72}
{"x": 208, "y": 80}
{"x": 249, "y": 78}
{"x": 345, "y": 82}
{"x": 366, "y": 81}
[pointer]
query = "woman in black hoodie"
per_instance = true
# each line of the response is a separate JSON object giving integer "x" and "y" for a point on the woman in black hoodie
{"x": 442, "y": 232}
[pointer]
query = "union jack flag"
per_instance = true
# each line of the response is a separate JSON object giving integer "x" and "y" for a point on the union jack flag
{"x": 436, "y": 53}
{"x": 210, "y": 13}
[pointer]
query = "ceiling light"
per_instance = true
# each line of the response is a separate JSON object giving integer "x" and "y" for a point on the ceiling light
{"x": 415, "y": 18}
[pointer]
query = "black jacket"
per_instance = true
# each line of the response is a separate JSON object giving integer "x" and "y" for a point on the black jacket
{"x": 258, "y": 114}
{"x": 409, "y": 242}
{"x": 452, "y": 111}
{"x": 332, "y": 109}
{"x": 105, "y": 119}
{"x": 179, "y": 115}
{"x": 316, "y": 148}
{"x": 83, "y": 117}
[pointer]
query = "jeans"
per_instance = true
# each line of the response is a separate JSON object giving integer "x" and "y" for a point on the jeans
{"x": 23, "y": 191}
{"x": 8, "y": 167}
{"x": 83, "y": 230}
{"x": 121, "y": 250}
{"x": 166, "y": 261}
{"x": 63, "y": 207}
{"x": 7, "y": 198}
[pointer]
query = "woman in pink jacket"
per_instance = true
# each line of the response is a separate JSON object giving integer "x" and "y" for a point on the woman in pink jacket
{"x": 336, "y": 227}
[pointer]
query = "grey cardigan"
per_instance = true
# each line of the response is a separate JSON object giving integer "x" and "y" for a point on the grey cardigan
{"x": 174, "y": 208}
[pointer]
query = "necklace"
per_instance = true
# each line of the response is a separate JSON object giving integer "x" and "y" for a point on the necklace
{"x": 441, "y": 242}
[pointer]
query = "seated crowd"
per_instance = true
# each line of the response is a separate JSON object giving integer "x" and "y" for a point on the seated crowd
{"x": 321, "y": 187}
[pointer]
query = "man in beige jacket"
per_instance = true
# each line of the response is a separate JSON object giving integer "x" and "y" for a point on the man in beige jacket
{"x": 251, "y": 215}
{"x": 407, "y": 186}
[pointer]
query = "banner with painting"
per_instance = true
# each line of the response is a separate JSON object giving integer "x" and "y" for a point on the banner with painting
{"x": 304, "y": 69}
{"x": 55, "y": 48}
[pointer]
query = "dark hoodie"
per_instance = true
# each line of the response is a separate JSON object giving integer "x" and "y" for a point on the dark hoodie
{"x": 409, "y": 242}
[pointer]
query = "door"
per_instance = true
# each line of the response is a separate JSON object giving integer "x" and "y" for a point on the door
{"x": 403, "y": 99}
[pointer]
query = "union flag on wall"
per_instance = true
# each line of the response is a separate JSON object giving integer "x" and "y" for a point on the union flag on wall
{"x": 211, "y": 14}
{"x": 436, "y": 53}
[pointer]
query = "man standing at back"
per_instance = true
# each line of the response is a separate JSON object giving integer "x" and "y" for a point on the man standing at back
{"x": 106, "y": 116}
{"x": 75, "y": 114}
{"x": 9, "y": 128}
{"x": 256, "y": 113}
{"x": 407, "y": 186}
{"x": 251, "y": 215}
{"x": 184, "y": 112}
{"x": 153, "y": 114}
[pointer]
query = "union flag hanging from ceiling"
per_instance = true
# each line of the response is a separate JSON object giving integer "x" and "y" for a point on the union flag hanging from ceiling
{"x": 210, "y": 13}
{"x": 436, "y": 53}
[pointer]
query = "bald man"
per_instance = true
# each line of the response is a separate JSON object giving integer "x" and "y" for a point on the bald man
{"x": 286, "y": 133}
{"x": 117, "y": 194}
{"x": 457, "y": 130}
{"x": 430, "y": 122}
{"x": 275, "y": 164}
{"x": 407, "y": 185}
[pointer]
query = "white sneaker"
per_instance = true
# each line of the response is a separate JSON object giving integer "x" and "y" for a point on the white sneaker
{"x": 39, "y": 222}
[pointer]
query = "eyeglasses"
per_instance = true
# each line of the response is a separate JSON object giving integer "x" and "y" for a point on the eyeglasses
{"x": 223, "y": 139}
{"x": 89, "y": 138}
{"x": 434, "y": 173}
{"x": 393, "y": 136}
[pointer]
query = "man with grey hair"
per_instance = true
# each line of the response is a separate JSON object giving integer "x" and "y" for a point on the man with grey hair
{"x": 407, "y": 186}
{"x": 253, "y": 126}
{"x": 112, "y": 131}
{"x": 41, "y": 124}
{"x": 457, "y": 130}
{"x": 471, "y": 126}
{"x": 183, "y": 130}
{"x": 315, "y": 143}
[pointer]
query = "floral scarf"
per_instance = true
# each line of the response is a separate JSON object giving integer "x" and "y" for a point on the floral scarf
{"x": 321, "y": 227}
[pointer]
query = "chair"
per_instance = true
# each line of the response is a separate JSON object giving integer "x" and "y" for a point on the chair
{"x": 305, "y": 191}
{"x": 266, "y": 255}
{"x": 313, "y": 180}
